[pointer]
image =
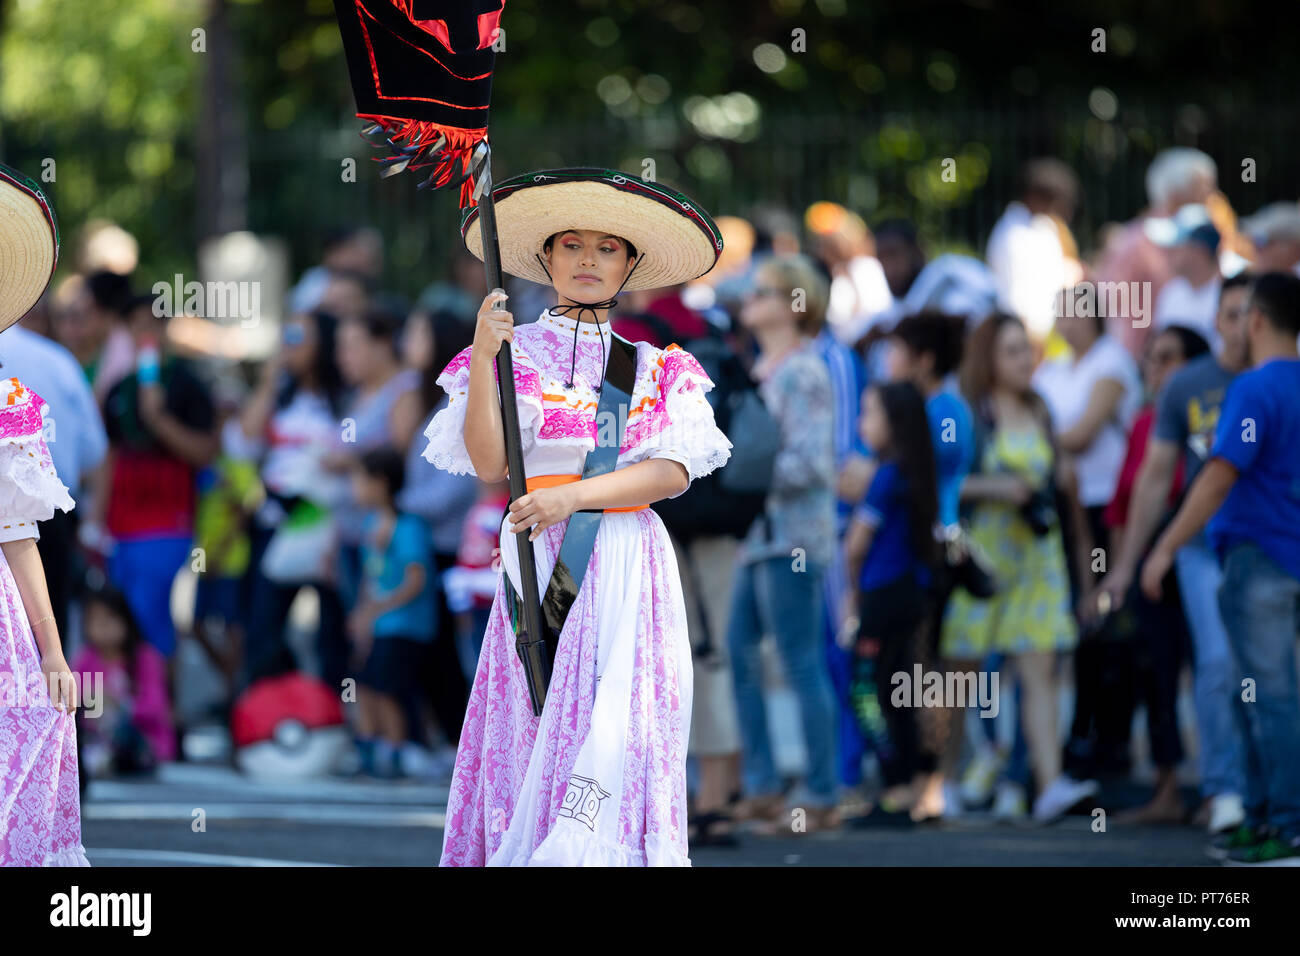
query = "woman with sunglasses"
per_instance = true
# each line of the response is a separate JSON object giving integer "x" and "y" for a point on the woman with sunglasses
{"x": 1157, "y": 629}
{"x": 289, "y": 424}
{"x": 779, "y": 579}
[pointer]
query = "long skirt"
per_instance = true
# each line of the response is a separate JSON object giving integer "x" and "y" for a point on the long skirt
{"x": 600, "y": 778}
{"x": 40, "y": 803}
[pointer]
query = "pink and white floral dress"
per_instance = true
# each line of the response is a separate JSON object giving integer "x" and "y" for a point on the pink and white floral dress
{"x": 600, "y": 778}
{"x": 40, "y": 802}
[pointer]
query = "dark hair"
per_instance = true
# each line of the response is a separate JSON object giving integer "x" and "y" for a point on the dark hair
{"x": 340, "y": 236}
{"x": 451, "y": 335}
{"x": 903, "y": 229}
{"x": 116, "y": 603}
{"x": 550, "y": 241}
{"x": 1277, "y": 295}
{"x": 143, "y": 300}
{"x": 385, "y": 462}
{"x": 109, "y": 290}
{"x": 329, "y": 380}
{"x": 1098, "y": 316}
{"x": 942, "y": 335}
{"x": 977, "y": 375}
{"x": 1190, "y": 341}
{"x": 383, "y": 320}
{"x": 910, "y": 446}
{"x": 1242, "y": 280}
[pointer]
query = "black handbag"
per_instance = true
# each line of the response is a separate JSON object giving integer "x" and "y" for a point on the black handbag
{"x": 966, "y": 567}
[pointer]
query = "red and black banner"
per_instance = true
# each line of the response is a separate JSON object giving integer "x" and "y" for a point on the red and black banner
{"x": 421, "y": 70}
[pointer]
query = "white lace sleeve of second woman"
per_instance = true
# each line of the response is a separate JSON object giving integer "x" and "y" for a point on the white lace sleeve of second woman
{"x": 30, "y": 488}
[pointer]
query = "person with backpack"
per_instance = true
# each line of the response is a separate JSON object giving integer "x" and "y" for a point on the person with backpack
{"x": 705, "y": 525}
{"x": 779, "y": 581}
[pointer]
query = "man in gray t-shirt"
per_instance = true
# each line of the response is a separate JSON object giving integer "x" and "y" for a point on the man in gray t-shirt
{"x": 1188, "y": 411}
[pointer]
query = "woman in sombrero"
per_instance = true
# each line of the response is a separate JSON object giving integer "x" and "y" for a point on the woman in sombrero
{"x": 600, "y": 778}
{"x": 40, "y": 804}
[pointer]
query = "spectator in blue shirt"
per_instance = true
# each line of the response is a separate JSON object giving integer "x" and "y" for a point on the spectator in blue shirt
{"x": 395, "y": 620}
{"x": 927, "y": 349}
{"x": 1249, "y": 491}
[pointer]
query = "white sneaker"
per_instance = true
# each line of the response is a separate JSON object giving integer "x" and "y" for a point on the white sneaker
{"x": 1009, "y": 802}
{"x": 1060, "y": 795}
{"x": 415, "y": 761}
{"x": 1226, "y": 813}
{"x": 978, "y": 781}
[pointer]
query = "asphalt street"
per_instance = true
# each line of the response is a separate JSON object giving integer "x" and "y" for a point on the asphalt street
{"x": 204, "y": 815}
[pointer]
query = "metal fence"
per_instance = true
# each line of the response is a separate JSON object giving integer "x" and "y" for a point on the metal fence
{"x": 880, "y": 164}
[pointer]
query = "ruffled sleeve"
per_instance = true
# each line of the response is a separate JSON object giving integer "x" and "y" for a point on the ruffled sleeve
{"x": 30, "y": 488}
{"x": 446, "y": 430}
{"x": 672, "y": 418}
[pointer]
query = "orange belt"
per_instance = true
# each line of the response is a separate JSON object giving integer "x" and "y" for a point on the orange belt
{"x": 552, "y": 481}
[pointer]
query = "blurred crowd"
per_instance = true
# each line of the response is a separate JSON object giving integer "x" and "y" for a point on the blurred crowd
{"x": 952, "y": 465}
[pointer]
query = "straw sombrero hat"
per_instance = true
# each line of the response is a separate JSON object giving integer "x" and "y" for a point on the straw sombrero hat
{"x": 29, "y": 245}
{"x": 676, "y": 239}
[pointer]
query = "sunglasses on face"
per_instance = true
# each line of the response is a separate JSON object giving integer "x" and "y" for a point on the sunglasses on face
{"x": 768, "y": 291}
{"x": 1163, "y": 357}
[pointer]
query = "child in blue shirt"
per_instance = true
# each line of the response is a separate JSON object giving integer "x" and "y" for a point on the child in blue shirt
{"x": 396, "y": 618}
{"x": 890, "y": 549}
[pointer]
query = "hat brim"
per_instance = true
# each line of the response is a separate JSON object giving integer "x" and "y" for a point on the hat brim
{"x": 29, "y": 245}
{"x": 675, "y": 239}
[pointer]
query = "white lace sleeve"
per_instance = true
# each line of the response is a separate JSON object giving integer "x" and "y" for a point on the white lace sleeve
{"x": 30, "y": 488}
{"x": 446, "y": 430}
{"x": 679, "y": 425}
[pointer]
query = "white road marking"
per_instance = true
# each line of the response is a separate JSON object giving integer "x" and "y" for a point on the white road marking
{"x": 357, "y": 815}
{"x": 98, "y": 856}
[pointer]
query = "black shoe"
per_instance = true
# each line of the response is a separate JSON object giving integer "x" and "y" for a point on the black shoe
{"x": 879, "y": 818}
{"x": 1232, "y": 841}
{"x": 700, "y": 830}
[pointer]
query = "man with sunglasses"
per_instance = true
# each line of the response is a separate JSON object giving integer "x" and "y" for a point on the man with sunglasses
{"x": 1186, "y": 417}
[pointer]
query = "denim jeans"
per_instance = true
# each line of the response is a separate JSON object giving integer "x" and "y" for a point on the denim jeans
{"x": 1221, "y": 742}
{"x": 770, "y": 597}
{"x": 850, "y": 747}
{"x": 1261, "y": 610}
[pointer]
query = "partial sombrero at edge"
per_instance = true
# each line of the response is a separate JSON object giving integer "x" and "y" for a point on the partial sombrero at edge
{"x": 677, "y": 240}
{"x": 29, "y": 245}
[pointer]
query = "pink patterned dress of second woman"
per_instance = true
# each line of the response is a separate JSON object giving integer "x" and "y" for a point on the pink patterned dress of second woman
{"x": 40, "y": 801}
{"x": 600, "y": 778}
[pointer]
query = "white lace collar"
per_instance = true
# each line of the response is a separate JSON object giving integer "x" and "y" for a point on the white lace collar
{"x": 565, "y": 325}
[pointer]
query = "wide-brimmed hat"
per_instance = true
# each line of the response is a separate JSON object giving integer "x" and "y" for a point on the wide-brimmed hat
{"x": 675, "y": 239}
{"x": 29, "y": 245}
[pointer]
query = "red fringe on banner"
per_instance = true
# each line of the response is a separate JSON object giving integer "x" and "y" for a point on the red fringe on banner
{"x": 417, "y": 144}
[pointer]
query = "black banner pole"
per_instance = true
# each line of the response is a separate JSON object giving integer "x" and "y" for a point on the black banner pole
{"x": 530, "y": 641}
